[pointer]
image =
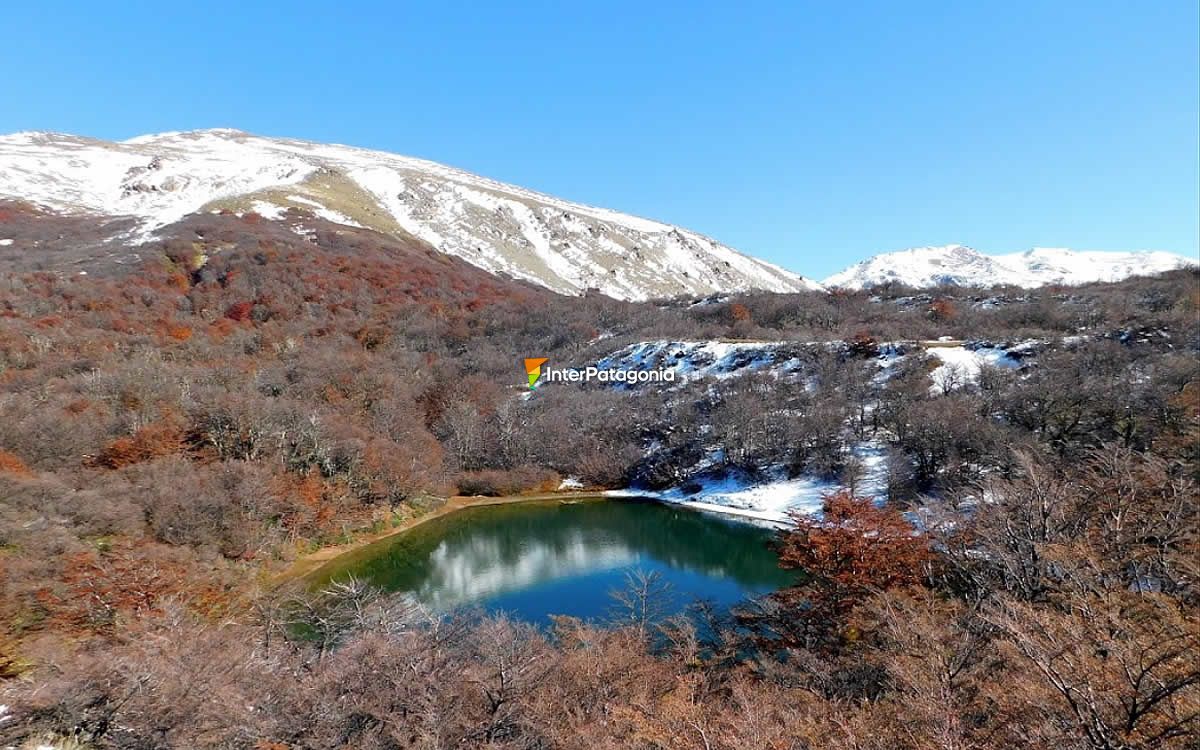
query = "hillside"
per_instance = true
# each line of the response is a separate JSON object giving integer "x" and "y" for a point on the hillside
{"x": 246, "y": 391}
{"x": 157, "y": 180}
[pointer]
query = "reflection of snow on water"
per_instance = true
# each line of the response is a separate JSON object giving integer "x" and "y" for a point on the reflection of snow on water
{"x": 481, "y": 567}
{"x": 541, "y": 559}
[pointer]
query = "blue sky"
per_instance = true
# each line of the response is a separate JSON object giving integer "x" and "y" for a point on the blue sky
{"x": 810, "y": 134}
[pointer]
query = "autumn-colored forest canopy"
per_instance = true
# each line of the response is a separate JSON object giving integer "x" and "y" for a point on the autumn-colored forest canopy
{"x": 191, "y": 414}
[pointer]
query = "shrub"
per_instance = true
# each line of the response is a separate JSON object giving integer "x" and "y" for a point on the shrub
{"x": 239, "y": 311}
{"x": 152, "y": 441}
{"x": 494, "y": 483}
{"x": 10, "y": 464}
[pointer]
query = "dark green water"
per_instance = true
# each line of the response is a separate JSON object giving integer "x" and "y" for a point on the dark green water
{"x": 533, "y": 560}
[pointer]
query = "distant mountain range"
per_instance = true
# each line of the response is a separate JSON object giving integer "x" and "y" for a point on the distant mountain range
{"x": 963, "y": 266}
{"x": 567, "y": 247}
{"x": 145, "y": 185}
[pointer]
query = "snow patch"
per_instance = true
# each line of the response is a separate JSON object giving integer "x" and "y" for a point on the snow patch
{"x": 774, "y": 500}
{"x": 267, "y": 210}
{"x": 961, "y": 366}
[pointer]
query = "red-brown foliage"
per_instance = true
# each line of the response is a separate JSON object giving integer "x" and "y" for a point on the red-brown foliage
{"x": 152, "y": 441}
{"x": 179, "y": 332}
{"x": 493, "y": 483}
{"x": 99, "y": 587}
{"x": 313, "y": 503}
{"x": 854, "y": 550}
{"x": 863, "y": 344}
{"x": 178, "y": 281}
{"x": 239, "y": 311}
{"x": 10, "y": 464}
{"x": 942, "y": 310}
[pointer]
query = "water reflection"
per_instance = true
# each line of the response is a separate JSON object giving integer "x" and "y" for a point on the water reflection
{"x": 538, "y": 559}
{"x": 466, "y": 570}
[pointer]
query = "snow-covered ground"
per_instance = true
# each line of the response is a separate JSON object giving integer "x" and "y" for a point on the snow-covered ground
{"x": 960, "y": 366}
{"x": 772, "y": 501}
{"x": 768, "y": 502}
{"x": 693, "y": 360}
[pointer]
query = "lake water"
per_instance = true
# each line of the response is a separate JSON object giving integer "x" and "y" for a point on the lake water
{"x": 537, "y": 559}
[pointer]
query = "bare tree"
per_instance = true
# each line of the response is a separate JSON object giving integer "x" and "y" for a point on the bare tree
{"x": 644, "y": 600}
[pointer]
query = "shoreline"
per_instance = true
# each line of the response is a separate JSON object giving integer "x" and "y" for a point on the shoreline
{"x": 764, "y": 518}
{"x": 307, "y": 564}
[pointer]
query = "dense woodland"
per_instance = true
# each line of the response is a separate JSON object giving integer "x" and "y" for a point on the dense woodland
{"x": 178, "y": 424}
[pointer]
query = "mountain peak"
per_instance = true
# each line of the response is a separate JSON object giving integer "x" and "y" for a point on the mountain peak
{"x": 197, "y": 133}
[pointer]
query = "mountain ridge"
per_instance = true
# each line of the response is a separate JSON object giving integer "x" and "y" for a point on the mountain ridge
{"x": 568, "y": 247}
{"x": 960, "y": 265}
{"x": 156, "y": 180}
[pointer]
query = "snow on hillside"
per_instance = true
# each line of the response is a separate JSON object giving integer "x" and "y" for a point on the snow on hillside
{"x": 960, "y": 366}
{"x": 564, "y": 246}
{"x": 964, "y": 266}
{"x": 693, "y": 360}
{"x": 770, "y": 501}
{"x": 158, "y": 185}
{"x": 1065, "y": 266}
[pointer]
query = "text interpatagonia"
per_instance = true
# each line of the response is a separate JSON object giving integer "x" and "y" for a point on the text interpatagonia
{"x": 588, "y": 374}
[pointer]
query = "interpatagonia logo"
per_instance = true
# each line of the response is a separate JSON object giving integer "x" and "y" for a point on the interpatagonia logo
{"x": 533, "y": 370}
{"x": 535, "y": 375}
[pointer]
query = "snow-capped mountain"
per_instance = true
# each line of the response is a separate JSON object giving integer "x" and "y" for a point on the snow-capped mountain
{"x": 964, "y": 266}
{"x": 567, "y": 247}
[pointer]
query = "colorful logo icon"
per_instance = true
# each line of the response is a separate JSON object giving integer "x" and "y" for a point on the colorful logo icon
{"x": 533, "y": 370}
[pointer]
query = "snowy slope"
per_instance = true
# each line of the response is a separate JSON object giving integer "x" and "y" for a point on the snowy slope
{"x": 694, "y": 360}
{"x": 774, "y": 497}
{"x": 958, "y": 365}
{"x": 960, "y": 265}
{"x": 567, "y": 247}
